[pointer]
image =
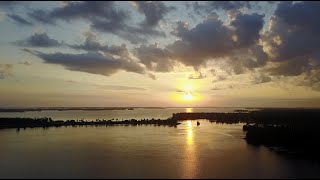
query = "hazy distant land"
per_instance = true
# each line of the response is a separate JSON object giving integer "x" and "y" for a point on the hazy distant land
{"x": 71, "y": 108}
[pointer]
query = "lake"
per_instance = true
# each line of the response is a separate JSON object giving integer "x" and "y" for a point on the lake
{"x": 188, "y": 151}
{"x": 137, "y": 113}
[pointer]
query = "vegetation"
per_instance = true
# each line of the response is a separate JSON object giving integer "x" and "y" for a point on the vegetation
{"x": 48, "y": 122}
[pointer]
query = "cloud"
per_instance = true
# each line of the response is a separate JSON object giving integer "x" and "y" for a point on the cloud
{"x": 134, "y": 34}
{"x": 208, "y": 39}
{"x": 216, "y": 88}
{"x": 120, "y": 88}
{"x": 152, "y": 76}
{"x": 91, "y": 62}
{"x": 27, "y": 63}
{"x": 220, "y": 78}
{"x": 197, "y": 75}
{"x": 293, "y": 40}
{"x": 292, "y": 26}
{"x": 225, "y": 86}
{"x": 102, "y": 15}
{"x": 228, "y": 5}
{"x": 154, "y": 58}
{"x": 38, "y": 40}
{"x": 311, "y": 79}
{"x": 154, "y": 11}
{"x": 247, "y": 28}
{"x": 6, "y": 70}
{"x": 8, "y": 4}
{"x": 211, "y": 6}
{"x": 213, "y": 72}
{"x": 260, "y": 78}
{"x": 91, "y": 43}
{"x": 19, "y": 19}
{"x": 78, "y": 10}
{"x": 41, "y": 16}
{"x": 213, "y": 39}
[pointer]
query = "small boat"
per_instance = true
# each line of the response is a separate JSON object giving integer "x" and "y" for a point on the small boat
{"x": 130, "y": 109}
{"x": 198, "y": 124}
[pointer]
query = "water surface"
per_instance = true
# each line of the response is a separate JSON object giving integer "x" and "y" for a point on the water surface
{"x": 188, "y": 151}
{"x": 137, "y": 113}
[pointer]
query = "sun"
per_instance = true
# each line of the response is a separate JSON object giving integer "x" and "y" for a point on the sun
{"x": 187, "y": 96}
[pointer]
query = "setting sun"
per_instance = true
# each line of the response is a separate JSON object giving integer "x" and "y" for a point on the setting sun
{"x": 187, "y": 96}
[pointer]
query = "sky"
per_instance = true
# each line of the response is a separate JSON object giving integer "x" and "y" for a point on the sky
{"x": 159, "y": 54}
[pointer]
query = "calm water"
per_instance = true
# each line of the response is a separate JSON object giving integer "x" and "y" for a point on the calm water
{"x": 188, "y": 151}
{"x": 137, "y": 113}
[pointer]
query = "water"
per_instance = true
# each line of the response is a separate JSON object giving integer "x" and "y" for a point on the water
{"x": 137, "y": 113}
{"x": 188, "y": 151}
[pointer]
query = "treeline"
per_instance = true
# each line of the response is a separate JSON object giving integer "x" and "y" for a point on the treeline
{"x": 48, "y": 122}
{"x": 238, "y": 117}
{"x": 295, "y": 130}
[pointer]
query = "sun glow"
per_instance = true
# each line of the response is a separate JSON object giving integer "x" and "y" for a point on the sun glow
{"x": 186, "y": 93}
{"x": 187, "y": 96}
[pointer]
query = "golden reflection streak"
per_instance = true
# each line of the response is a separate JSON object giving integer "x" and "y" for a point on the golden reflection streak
{"x": 189, "y": 110}
{"x": 190, "y": 134}
{"x": 190, "y": 163}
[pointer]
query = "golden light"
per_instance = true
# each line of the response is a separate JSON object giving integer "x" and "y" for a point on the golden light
{"x": 190, "y": 133}
{"x": 188, "y": 87}
{"x": 189, "y": 110}
{"x": 190, "y": 165}
{"x": 187, "y": 93}
{"x": 187, "y": 96}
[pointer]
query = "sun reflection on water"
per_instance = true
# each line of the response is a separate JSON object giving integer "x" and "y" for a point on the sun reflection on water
{"x": 190, "y": 134}
{"x": 189, "y": 110}
{"x": 190, "y": 164}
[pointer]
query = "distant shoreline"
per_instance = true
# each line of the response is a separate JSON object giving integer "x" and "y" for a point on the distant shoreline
{"x": 28, "y": 109}
{"x": 71, "y": 109}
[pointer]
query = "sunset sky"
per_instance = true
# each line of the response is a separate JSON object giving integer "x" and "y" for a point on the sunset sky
{"x": 168, "y": 54}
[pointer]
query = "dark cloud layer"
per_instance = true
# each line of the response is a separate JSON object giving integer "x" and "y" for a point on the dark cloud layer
{"x": 208, "y": 40}
{"x": 39, "y": 40}
{"x": 80, "y": 10}
{"x": 154, "y": 11}
{"x": 19, "y": 19}
{"x": 103, "y": 16}
{"x": 8, "y": 4}
{"x": 248, "y": 27}
{"x": 293, "y": 40}
{"x": 212, "y": 39}
{"x": 92, "y": 44}
{"x": 228, "y": 5}
{"x": 91, "y": 62}
{"x": 211, "y": 6}
{"x": 290, "y": 46}
{"x": 154, "y": 58}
